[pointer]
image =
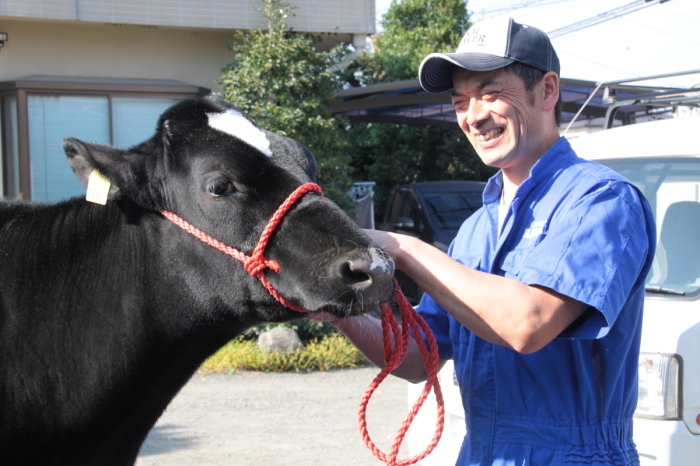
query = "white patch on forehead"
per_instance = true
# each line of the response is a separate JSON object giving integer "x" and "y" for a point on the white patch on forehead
{"x": 234, "y": 123}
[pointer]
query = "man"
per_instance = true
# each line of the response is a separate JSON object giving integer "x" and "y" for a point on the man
{"x": 539, "y": 301}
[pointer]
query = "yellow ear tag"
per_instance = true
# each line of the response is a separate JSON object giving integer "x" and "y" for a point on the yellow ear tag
{"x": 98, "y": 188}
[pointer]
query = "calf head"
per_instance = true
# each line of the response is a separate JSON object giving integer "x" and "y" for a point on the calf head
{"x": 211, "y": 165}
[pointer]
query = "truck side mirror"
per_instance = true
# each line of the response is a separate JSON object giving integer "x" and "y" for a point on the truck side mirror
{"x": 404, "y": 223}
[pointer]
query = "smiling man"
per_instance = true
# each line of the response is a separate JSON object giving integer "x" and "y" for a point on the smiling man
{"x": 539, "y": 299}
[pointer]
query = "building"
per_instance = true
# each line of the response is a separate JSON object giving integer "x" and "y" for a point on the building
{"x": 103, "y": 70}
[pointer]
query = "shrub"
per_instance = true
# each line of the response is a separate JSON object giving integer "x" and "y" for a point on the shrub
{"x": 287, "y": 86}
{"x": 332, "y": 352}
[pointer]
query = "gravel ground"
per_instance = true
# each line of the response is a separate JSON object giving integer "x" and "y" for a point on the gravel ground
{"x": 276, "y": 419}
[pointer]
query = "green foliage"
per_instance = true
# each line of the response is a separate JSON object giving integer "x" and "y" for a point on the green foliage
{"x": 332, "y": 352}
{"x": 392, "y": 154}
{"x": 281, "y": 81}
{"x": 412, "y": 30}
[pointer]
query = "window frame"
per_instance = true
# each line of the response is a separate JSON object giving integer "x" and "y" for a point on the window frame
{"x": 73, "y": 86}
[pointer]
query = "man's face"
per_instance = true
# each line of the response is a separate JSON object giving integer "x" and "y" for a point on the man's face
{"x": 504, "y": 122}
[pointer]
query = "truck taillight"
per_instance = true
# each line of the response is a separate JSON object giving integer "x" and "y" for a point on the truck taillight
{"x": 660, "y": 378}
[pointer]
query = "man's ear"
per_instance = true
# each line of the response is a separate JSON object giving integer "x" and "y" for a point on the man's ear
{"x": 549, "y": 90}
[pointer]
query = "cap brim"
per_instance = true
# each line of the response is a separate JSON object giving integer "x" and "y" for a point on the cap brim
{"x": 435, "y": 73}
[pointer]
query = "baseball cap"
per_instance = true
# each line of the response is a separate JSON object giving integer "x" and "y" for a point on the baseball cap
{"x": 486, "y": 46}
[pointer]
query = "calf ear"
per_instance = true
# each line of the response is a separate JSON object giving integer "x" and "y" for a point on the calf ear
{"x": 84, "y": 158}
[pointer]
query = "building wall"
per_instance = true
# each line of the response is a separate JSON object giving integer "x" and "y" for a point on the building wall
{"x": 177, "y": 40}
{"x": 84, "y": 49}
{"x": 342, "y": 16}
{"x": 152, "y": 39}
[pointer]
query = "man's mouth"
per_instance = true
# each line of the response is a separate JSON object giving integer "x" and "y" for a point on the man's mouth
{"x": 494, "y": 133}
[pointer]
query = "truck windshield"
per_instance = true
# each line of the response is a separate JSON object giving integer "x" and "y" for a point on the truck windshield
{"x": 449, "y": 209}
{"x": 672, "y": 187}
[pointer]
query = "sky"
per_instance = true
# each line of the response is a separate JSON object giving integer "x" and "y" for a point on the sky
{"x": 658, "y": 39}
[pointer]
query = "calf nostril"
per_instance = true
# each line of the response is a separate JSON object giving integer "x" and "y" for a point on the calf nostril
{"x": 355, "y": 275}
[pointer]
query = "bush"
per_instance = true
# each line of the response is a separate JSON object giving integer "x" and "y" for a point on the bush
{"x": 287, "y": 86}
{"x": 332, "y": 352}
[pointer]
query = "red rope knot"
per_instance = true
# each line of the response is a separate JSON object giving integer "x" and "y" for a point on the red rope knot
{"x": 255, "y": 266}
{"x": 256, "y": 262}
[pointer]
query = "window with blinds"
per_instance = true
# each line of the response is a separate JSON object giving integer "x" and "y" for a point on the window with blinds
{"x": 54, "y": 117}
{"x": 134, "y": 118}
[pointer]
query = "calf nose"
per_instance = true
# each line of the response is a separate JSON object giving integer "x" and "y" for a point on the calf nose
{"x": 370, "y": 275}
{"x": 356, "y": 274}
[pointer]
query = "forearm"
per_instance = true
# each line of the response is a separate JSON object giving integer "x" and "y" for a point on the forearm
{"x": 461, "y": 291}
{"x": 365, "y": 332}
{"x": 497, "y": 309}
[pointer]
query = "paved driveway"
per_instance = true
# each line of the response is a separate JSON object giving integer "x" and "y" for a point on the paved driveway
{"x": 276, "y": 419}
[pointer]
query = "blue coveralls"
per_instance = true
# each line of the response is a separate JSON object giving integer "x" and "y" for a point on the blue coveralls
{"x": 580, "y": 229}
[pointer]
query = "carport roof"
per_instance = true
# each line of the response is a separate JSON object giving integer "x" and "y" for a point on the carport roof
{"x": 406, "y": 102}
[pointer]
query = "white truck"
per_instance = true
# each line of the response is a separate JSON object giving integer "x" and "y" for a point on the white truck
{"x": 662, "y": 158}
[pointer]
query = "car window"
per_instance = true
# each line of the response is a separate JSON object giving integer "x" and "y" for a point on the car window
{"x": 672, "y": 187}
{"x": 448, "y": 210}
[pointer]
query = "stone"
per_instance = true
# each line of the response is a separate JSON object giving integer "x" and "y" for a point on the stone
{"x": 281, "y": 339}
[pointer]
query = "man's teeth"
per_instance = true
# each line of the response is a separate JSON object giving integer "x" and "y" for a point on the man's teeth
{"x": 494, "y": 133}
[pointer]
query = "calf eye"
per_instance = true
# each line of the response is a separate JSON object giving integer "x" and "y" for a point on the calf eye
{"x": 221, "y": 187}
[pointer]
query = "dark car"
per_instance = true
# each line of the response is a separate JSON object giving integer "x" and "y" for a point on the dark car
{"x": 432, "y": 211}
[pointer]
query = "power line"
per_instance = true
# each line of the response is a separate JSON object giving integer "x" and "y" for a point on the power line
{"x": 603, "y": 17}
{"x": 482, "y": 13}
{"x": 577, "y": 26}
{"x": 659, "y": 31}
{"x": 518, "y": 6}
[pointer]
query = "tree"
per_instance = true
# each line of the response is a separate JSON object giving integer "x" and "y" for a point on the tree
{"x": 392, "y": 154}
{"x": 412, "y": 30}
{"x": 281, "y": 81}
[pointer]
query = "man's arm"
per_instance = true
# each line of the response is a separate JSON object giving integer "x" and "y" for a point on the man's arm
{"x": 497, "y": 309}
{"x": 365, "y": 332}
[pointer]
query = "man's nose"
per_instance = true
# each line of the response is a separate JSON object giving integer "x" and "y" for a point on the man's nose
{"x": 476, "y": 113}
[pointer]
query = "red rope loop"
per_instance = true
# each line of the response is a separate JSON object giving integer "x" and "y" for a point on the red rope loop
{"x": 395, "y": 346}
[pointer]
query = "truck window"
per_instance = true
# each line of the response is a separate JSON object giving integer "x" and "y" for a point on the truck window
{"x": 449, "y": 209}
{"x": 672, "y": 187}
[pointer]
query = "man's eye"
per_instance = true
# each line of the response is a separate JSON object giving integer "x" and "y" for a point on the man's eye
{"x": 461, "y": 105}
{"x": 221, "y": 187}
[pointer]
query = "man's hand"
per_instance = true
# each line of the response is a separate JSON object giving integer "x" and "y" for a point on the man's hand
{"x": 383, "y": 239}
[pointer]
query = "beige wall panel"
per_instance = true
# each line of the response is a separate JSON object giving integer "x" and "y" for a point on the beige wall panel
{"x": 80, "y": 49}
{"x": 345, "y": 16}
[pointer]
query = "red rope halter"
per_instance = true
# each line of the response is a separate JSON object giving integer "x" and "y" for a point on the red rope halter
{"x": 412, "y": 323}
{"x": 255, "y": 263}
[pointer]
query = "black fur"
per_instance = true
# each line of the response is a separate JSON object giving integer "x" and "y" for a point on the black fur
{"x": 106, "y": 311}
